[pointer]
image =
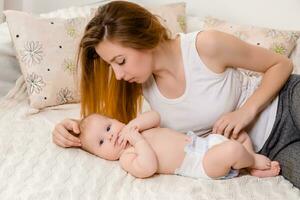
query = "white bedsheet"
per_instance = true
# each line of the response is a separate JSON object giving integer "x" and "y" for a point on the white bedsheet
{"x": 32, "y": 167}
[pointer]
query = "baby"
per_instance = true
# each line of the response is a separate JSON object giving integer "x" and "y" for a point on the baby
{"x": 144, "y": 149}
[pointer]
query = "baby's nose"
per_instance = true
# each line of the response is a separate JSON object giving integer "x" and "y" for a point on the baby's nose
{"x": 109, "y": 136}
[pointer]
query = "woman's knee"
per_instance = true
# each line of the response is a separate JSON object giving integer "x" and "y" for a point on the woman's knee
{"x": 289, "y": 159}
{"x": 295, "y": 102}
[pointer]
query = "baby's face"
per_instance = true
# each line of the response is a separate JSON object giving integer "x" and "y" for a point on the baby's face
{"x": 99, "y": 136}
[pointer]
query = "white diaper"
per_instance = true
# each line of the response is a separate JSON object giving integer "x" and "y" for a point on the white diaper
{"x": 192, "y": 165}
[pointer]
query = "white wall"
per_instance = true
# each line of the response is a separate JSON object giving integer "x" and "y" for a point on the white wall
{"x": 284, "y": 14}
{"x": 40, "y": 6}
{"x": 269, "y": 13}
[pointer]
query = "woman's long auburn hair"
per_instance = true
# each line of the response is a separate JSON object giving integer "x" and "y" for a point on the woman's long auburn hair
{"x": 131, "y": 26}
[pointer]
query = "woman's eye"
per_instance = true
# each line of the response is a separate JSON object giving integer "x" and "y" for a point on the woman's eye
{"x": 122, "y": 63}
{"x": 101, "y": 142}
{"x": 108, "y": 128}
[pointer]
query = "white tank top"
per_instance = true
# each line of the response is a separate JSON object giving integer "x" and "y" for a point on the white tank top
{"x": 207, "y": 96}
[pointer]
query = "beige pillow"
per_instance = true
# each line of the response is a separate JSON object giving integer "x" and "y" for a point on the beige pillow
{"x": 47, "y": 48}
{"x": 172, "y": 16}
{"x": 279, "y": 41}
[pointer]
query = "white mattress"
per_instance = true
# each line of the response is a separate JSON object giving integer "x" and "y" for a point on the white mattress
{"x": 32, "y": 167}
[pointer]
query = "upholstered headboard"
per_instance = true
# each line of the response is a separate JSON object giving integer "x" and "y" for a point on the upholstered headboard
{"x": 283, "y": 14}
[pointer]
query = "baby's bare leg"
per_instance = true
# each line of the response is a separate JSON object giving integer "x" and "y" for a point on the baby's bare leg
{"x": 219, "y": 159}
{"x": 260, "y": 161}
{"x": 263, "y": 166}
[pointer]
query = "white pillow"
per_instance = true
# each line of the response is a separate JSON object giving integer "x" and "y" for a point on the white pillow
{"x": 9, "y": 66}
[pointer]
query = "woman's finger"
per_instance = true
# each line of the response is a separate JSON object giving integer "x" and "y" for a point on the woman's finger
{"x": 216, "y": 126}
{"x": 228, "y": 130}
{"x": 66, "y": 142}
{"x": 68, "y": 136}
{"x": 71, "y": 125}
{"x": 60, "y": 141}
{"x": 236, "y": 131}
{"x": 222, "y": 127}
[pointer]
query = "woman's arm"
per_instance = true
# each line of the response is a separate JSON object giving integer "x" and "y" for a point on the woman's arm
{"x": 222, "y": 50}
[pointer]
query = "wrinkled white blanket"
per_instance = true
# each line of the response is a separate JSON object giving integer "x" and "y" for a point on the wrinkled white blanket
{"x": 32, "y": 167}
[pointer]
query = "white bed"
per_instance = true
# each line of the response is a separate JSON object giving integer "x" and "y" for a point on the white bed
{"x": 32, "y": 167}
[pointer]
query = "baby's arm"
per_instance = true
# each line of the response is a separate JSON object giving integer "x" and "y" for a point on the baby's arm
{"x": 146, "y": 120}
{"x": 142, "y": 163}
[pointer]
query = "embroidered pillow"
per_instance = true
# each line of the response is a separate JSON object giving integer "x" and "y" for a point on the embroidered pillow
{"x": 279, "y": 41}
{"x": 173, "y": 16}
{"x": 46, "y": 50}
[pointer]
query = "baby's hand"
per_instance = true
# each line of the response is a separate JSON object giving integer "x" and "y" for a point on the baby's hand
{"x": 130, "y": 135}
{"x": 126, "y": 129}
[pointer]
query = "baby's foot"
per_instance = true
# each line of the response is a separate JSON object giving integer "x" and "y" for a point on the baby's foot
{"x": 261, "y": 162}
{"x": 273, "y": 171}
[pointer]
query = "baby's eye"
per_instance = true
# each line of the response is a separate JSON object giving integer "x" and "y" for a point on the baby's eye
{"x": 101, "y": 142}
{"x": 108, "y": 128}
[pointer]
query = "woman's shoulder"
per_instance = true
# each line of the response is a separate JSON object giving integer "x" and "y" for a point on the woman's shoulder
{"x": 209, "y": 47}
{"x": 209, "y": 41}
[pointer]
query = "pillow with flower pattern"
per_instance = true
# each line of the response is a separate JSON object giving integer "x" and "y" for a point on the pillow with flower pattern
{"x": 47, "y": 48}
{"x": 279, "y": 41}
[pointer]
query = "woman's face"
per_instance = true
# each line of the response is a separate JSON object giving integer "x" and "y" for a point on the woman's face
{"x": 127, "y": 63}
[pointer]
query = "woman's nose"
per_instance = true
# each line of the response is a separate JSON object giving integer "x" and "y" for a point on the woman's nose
{"x": 119, "y": 73}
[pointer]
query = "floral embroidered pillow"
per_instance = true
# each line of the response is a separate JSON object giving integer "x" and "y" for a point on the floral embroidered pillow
{"x": 46, "y": 50}
{"x": 279, "y": 41}
{"x": 172, "y": 16}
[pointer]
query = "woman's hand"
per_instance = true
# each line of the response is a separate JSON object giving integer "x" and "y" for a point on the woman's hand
{"x": 131, "y": 135}
{"x": 62, "y": 136}
{"x": 231, "y": 124}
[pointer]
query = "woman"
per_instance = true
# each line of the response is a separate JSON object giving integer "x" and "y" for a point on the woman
{"x": 126, "y": 53}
